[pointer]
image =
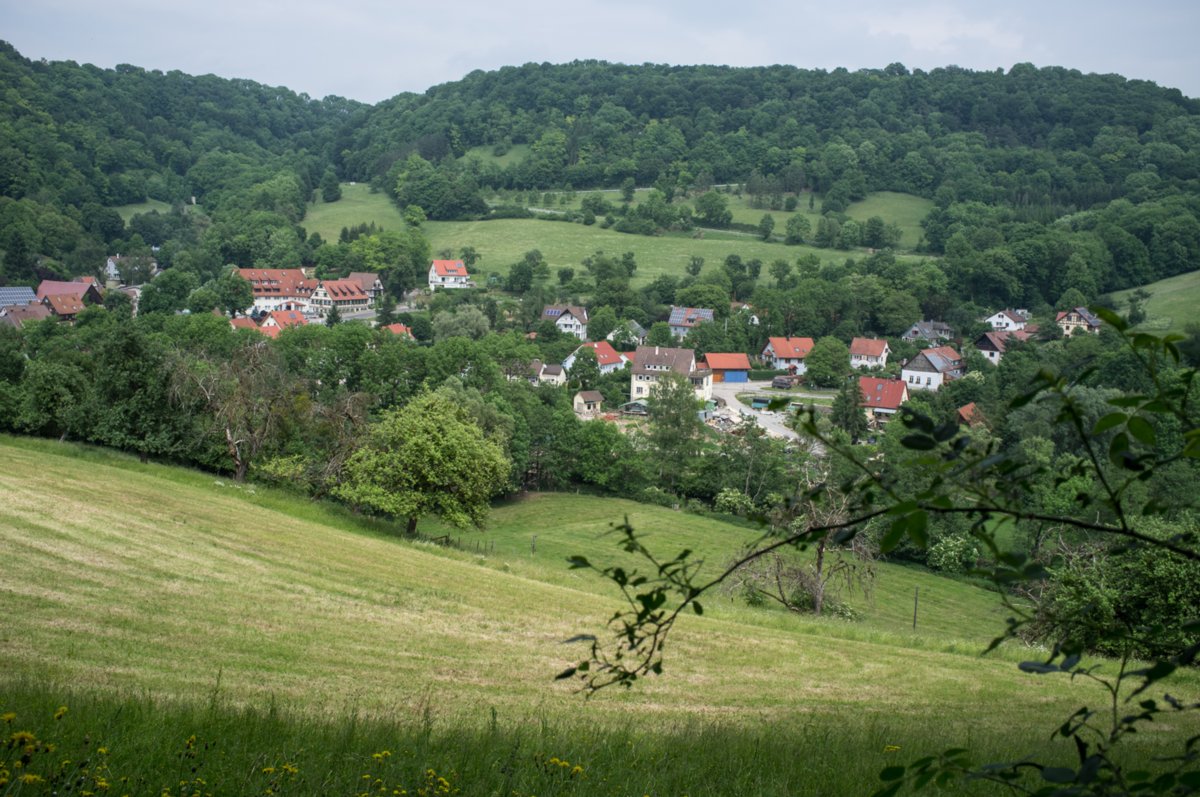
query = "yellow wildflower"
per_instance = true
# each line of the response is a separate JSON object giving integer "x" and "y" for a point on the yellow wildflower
{"x": 102, "y": 750}
{"x": 891, "y": 748}
{"x": 268, "y": 770}
{"x": 8, "y": 717}
{"x": 21, "y": 738}
{"x": 62, "y": 712}
{"x": 31, "y": 779}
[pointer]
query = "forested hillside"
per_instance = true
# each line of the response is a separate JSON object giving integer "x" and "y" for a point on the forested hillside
{"x": 77, "y": 140}
{"x": 1043, "y": 179}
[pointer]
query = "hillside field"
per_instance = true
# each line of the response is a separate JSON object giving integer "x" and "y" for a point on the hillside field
{"x": 159, "y": 602}
{"x": 503, "y": 242}
{"x": 1172, "y": 304}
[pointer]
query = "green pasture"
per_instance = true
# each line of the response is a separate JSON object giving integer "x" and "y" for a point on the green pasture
{"x": 357, "y": 206}
{"x": 158, "y": 603}
{"x": 129, "y": 211}
{"x": 906, "y": 210}
{"x": 1173, "y": 304}
{"x": 516, "y": 153}
{"x": 503, "y": 242}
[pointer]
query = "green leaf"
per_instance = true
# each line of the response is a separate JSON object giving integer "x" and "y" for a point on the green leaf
{"x": 697, "y": 608}
{"x": 1141, "y": 429}
{"x": 894, "y": 535}
{"x": 891, "y": 773}
{"x": 1110, "y": 317}
{"x": 1117, "y": 449}
{"x": 918, "y": 523}
{"x": 1110, "y": 421}
{"x": 918, "y": 442}
{"x": 567, "y": 673}
{"x": 578, "y": 561}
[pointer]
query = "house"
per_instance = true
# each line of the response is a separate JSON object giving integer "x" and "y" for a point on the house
{"x": 608, "y": 358}
{"x": 787, "y": 354}
{"x": 134, "y": 292}
{"x": 370, "y": 283}
{"x": 628, "y": 330}
{"x": 243, "y": 322}
{"x": 683, "y": 319}
{"x": 969, "y": 415}
{"x": 64, "y": 306}
{"x": 84, "y": 292}
{"x": 16, "y": 297}
{"x": 868, "y": 353}
{"x": 118, "y": 267}
{"x": 448, "y": 274}
{"x": 728, "y": 367}
{"x": 993, "y": 344}
{"x": 346, "y": 295}
{"x": 399, "y": 330}
{"x": 279, "y": 288}
{"x": 569, "y": 319}
{"x": 881, "y": 398}
{"x": 750, "y": 317}
{"x": 1077, "y": 320}
{"x": 552, "y": 374}
{"x": 283, "y": 319}
{"x": 17, "y": 315}
{"x": 588, "y": 402}
{"x": 650, "y": 363}
{"x": 1008, "y": 320}
{"x": 932, "y": 367}
{"x": 931, "y": 331}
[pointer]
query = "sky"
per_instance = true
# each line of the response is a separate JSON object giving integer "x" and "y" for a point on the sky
{"x": 370, "y": 50}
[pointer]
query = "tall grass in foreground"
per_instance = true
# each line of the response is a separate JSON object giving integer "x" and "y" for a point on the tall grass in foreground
{"x": 80, "y": 743}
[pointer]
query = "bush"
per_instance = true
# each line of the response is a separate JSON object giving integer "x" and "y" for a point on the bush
{"x": 658, "y": 497}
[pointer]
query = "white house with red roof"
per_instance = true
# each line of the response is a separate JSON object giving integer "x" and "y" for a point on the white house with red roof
{"x": 869, "y": 353}
{"x": 448, "y": 274}
{"x": 787, "y": 354}
{"x": 279, "y": 288}
{"x": 881, "y": 398}
{"x": 608, "y": 358}
{"x": 346, "y": 295}
{"x": 1008, "y": 320}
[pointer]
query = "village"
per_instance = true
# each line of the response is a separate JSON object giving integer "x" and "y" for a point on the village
{"x": 722, "y": 382}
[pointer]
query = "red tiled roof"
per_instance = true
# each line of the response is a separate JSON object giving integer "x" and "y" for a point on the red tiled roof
{"x": 243, "y": 323}
{"x": 886, "y": 394}
{"x": 791, "y": 348}
{"x": 970, "y": 415}
{"x": 867, "y": 347}
{"x": 727, "y": 362}
{"x": 605, "y": 353}
{"x": 289, "y": 318}
{"x": 343, "y": 289}
{"x": 64, "y": 304}
{"x": 450, "y": 268}
{"x": 58, "y": 288}
{"x": 278, "y": 282}
{"x": 398, "y": 329}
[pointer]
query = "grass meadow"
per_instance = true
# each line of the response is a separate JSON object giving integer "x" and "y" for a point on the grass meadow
{"x": 129, "y": 211}
{"x": 158, "y": 604}
{"x": 1172, "y": 304}
{"x": 502, "y": 242}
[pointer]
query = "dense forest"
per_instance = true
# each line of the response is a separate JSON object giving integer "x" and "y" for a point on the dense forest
{"x": 1043, "y": 179}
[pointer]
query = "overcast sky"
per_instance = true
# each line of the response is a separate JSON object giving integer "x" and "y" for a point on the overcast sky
{"x": 373, "y": 49}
